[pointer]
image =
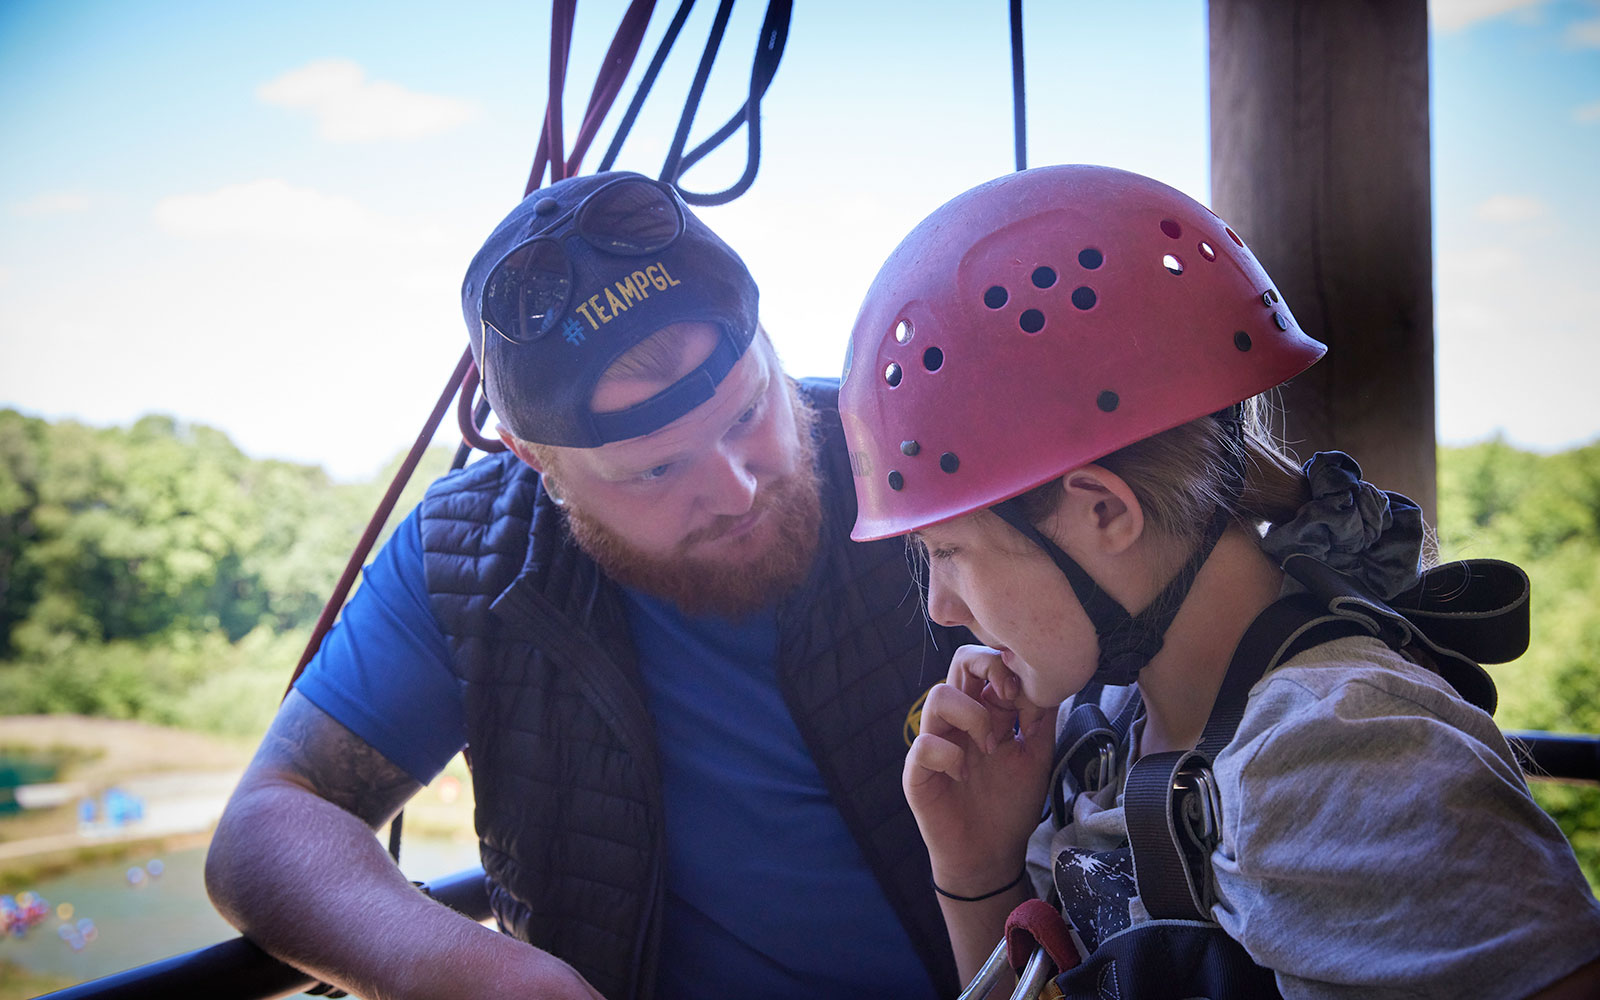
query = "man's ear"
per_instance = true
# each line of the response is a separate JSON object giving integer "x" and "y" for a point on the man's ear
{"x": 520, "y": 449}
{"x": 1101, "y": 509}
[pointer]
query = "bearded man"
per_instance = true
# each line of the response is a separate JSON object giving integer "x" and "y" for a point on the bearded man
{"x": 682, "y": 690}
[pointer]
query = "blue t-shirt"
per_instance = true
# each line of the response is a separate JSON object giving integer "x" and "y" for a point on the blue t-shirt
{"x": 767, "y": 893}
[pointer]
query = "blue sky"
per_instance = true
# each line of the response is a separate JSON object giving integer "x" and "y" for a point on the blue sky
{"x": 256, "y": 215}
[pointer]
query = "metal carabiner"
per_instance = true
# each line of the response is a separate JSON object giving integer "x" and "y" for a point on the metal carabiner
{"x": 987, "y": 976}
{"x": 1032, "y": 984}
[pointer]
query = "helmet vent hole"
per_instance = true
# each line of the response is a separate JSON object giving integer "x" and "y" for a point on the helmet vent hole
{"x": 996, "y": 297}
{"x": 1090, "y": 259}
{"x": 1084, "y": 297}
{"x": 1206, "y": 251}
{"x": 1171, "y": 228}
{"x": 1241, "y": 340}
{"x": 892, "y": 374}
{"x": 897, "y": 481}
{"x": 1031, "y": 321}
{"x": 949, "y": 462}
{"x": 1280, "y": 320}
{"x": 933, "y": 359}
{"x": 1172, "y": 264}
{"x": 1107, "y": 400}
{"x": 902, "y": 331}
{"x": 1233, "y": 235}
{"x": 1044, "y": 277}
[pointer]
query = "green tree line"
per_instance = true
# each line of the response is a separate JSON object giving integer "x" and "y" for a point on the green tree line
{"x": 1541, "y": 512}
{"x": 156, "y": 572}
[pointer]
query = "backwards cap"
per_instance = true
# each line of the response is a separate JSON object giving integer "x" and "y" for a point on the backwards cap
{"x": 1039, "y": 322}
{"x": 540, "y": 389}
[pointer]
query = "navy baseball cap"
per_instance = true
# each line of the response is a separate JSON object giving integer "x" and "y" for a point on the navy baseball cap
{"x": 577, "y": 274}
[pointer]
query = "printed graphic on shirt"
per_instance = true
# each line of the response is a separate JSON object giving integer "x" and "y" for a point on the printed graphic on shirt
{"x": 1095, "y": 888}
{"x": 913, "y": 724}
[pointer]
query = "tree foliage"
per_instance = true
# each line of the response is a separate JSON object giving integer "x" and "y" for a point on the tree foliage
{"x": 145, "y": 569}
{"x": 1541, "y": 512}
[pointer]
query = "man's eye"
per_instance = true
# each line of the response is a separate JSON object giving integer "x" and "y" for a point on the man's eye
{"x": 656, "y": 472}
{"x": 747, "y": 416}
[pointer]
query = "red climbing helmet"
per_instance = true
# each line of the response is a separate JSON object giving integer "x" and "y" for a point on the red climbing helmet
{"x": 1039, "y": 322}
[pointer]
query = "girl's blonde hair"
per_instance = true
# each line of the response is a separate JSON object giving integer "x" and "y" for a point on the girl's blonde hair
{"x": 1183, "y": 475}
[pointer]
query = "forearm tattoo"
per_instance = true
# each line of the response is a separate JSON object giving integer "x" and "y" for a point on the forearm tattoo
{"x": 338, "y": 765}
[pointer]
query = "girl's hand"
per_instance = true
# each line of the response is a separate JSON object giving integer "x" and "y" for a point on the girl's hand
{"x": 976, "y": 774}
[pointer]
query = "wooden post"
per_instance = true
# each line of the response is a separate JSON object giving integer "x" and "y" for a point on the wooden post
{"x": 1319, "y": 160}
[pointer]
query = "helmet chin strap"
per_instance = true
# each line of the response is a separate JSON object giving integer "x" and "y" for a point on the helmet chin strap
{"x": 1127, "y": 642}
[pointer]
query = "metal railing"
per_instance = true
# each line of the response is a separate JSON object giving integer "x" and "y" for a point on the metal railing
{"x": 239, "y": 970}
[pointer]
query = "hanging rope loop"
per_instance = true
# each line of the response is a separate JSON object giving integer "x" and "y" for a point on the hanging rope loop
{"x": 769, "y": 53}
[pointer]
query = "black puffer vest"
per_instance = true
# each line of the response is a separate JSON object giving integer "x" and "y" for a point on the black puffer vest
{"x": 563, "y": 750}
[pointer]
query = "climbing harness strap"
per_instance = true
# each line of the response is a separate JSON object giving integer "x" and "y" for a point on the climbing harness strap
{"x": 1479, "y": 607}
{"x": 1459, "y": 614}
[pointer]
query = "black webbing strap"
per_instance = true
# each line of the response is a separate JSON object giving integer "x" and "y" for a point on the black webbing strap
{"x": 1461, "y": 614}
{"x": 1088, "y": 749}
{"x": 1476, "y": 606}
{"x": 1170, "y": 799}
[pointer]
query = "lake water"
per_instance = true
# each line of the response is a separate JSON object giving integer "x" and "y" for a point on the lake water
{"x": 165, "y": 915}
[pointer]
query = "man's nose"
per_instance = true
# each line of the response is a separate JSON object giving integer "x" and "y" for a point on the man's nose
{"x": 730, "y": 483}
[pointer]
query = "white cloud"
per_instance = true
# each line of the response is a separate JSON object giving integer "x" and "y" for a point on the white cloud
{"x": 1453, "y": 15}
{"x": 1517, "y": 343}
{"x": 1587, "y": 113}
{"x": 351, "y": 108}
{"x": 1511, "y": 208}
{"x": 52, "y": 203}
{"x": 1584, "y": 34}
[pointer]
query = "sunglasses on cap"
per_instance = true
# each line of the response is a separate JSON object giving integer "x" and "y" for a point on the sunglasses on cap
{"x": 526, "y": 294}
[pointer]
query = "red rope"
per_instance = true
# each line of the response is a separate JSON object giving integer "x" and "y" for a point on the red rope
{"x": 469, "y": 427}
{"x": 463, "y": 381}
{"x": 550, "y": 138}
{"x": 347, "y": 580}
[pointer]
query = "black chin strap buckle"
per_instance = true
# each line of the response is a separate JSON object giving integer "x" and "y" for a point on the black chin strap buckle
{"x": 1124, "y": 652}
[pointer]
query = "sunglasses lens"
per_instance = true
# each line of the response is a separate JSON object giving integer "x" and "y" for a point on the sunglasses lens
{"x": 527, "y": 291}
{"x": 630, "y": 217}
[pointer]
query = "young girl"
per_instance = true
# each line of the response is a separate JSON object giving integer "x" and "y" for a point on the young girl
{"x": 1051, "y": 388}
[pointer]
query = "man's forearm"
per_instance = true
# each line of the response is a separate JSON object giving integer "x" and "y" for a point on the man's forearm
{"x": 309, "y": 883}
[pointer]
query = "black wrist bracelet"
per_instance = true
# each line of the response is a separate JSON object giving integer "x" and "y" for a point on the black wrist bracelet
{"x": 988, "y": 895}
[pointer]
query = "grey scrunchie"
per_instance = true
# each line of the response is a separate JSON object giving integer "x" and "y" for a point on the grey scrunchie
{"x": 1370, "y": 534}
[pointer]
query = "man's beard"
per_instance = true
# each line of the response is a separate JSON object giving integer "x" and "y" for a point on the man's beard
{"x": 742, "y": 579}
